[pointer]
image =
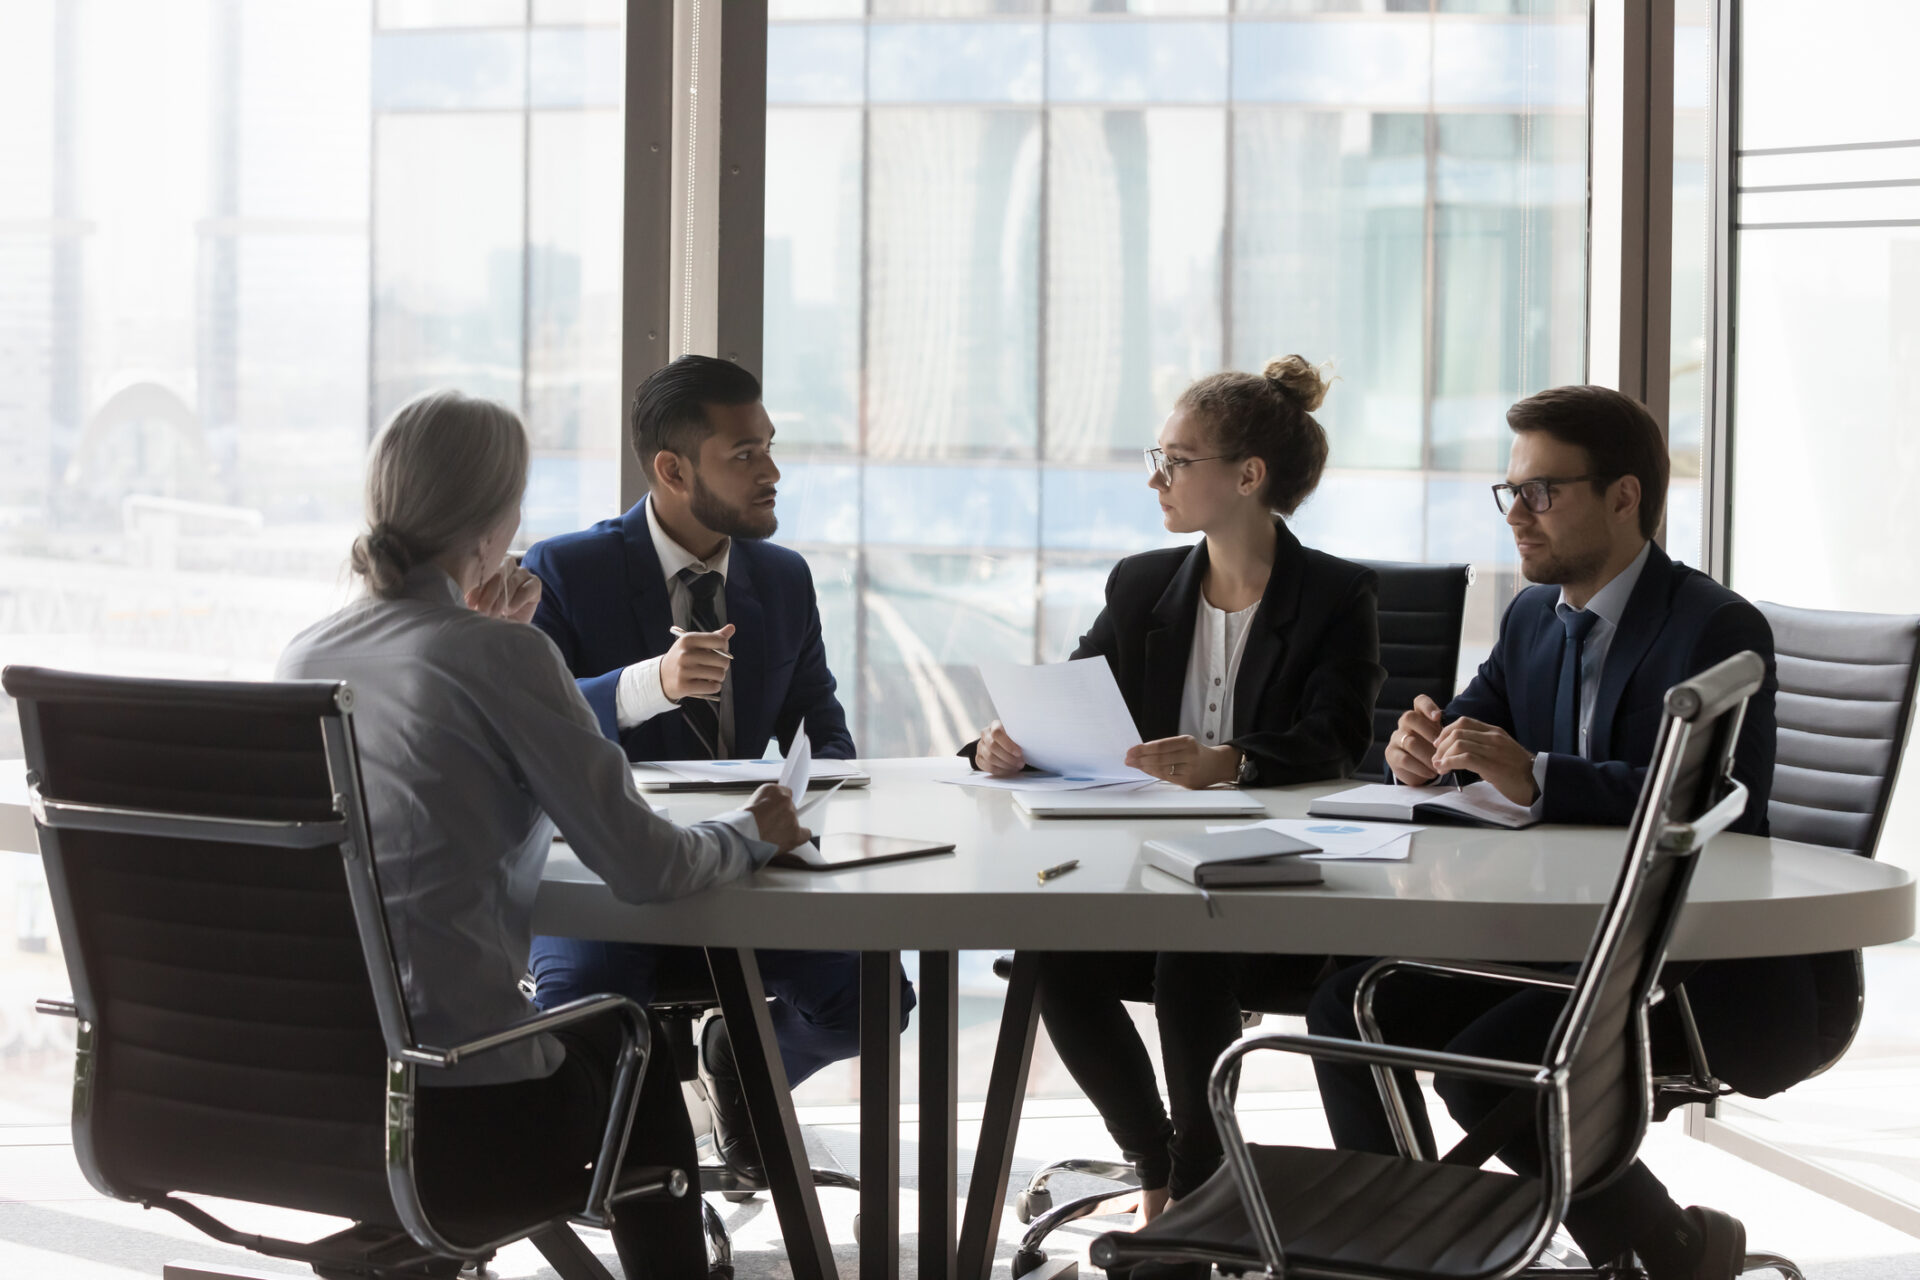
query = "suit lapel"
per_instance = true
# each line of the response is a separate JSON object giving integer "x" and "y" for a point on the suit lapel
{"x": 652, "y": 606}
{"x": 1640, "y": 625}
{"x": 749, "y": 647}
{"x": 1167, "y": 643}
{"x": 1267, "y": 631}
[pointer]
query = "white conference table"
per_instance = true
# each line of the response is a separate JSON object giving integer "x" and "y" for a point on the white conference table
{"x": 1465, "y": 893}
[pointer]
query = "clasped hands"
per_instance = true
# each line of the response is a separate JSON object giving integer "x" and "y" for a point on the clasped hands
{"x": 1180, "y": 760}
{"x": 1423, "y": 747}
{"x": 511, "y": 593}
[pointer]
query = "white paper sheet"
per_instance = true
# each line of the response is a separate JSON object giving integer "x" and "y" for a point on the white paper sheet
{"x": 751, "y": 772}
{"x": 797, "y": 770}
{"x": 1343, "y": 840}
{"x": 1044, "y": 782}
{"x": 1068, "y": 717}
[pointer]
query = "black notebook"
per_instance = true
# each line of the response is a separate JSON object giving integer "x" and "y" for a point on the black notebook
{"x": 840, "y": 849}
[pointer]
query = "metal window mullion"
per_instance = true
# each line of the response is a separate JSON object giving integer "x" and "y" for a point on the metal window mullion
{"x": 1716, "y": 445}
{"x": 646, "y": 223}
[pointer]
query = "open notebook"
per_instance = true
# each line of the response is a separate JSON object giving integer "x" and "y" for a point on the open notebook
{"x": 1478, "y": 805}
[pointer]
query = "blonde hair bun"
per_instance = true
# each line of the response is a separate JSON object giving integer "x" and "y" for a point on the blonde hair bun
{"x": 1299, "y": 379}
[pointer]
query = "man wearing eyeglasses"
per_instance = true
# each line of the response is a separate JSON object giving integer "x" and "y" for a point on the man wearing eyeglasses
{"x": 1562, "y": 717}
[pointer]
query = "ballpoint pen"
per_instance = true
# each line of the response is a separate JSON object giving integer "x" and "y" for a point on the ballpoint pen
{"x": 704, "y": 697}
{"x": 1053, "y": 873}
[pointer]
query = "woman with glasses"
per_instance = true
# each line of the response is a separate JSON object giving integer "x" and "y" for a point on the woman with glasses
{"x": 1245, "y": 659}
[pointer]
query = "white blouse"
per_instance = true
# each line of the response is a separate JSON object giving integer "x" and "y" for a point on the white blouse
{"x": 1219, "y": 639}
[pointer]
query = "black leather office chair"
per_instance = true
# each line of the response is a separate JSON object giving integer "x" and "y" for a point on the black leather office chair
{"x": 1309, "y": 1211}
{"x": 1845, "y": 706}
{"x": 242, "y": 1030}
{"x": 1421, "y": 606}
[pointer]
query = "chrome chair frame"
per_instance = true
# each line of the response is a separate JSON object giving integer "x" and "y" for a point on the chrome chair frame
{"x": 1650, "y": 837}
{"x": 348, "y": 830}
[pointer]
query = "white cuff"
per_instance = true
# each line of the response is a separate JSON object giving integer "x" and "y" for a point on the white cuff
{"x": 743, "y": 821}
{"x": 1539, "y": 786}
{"x": 640, "y": 696}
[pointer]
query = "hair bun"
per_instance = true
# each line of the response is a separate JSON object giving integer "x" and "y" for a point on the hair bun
{"x": 1300, "y": 380}
{"x": 390, "y": 547}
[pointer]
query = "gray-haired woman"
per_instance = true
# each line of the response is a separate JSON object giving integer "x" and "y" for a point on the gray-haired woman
{"x": 475, "y": 743}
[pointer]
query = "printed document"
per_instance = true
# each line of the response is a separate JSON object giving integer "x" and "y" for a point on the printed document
{"x": 1068, "y": 717}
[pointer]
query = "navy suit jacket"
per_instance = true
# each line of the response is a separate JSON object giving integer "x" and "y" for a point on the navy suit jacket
{"x": 1677, "y": 623}
{"x": 604, "y": 601}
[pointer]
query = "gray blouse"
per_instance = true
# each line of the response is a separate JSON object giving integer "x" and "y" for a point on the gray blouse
{"x": 474, "y": 744}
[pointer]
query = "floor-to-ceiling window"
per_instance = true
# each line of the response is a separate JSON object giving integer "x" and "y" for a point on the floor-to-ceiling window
{"x": 233, "y": 237}
{"x": 1003, "y": 237}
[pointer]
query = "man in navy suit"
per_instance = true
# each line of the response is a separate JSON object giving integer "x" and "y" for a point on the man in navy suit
{"x": 694, "y": 638}
{"x": 1562, "y": 717}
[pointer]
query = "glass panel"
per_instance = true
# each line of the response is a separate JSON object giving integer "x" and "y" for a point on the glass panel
{"x": 1375, "y": 61}
{"x": 1328, "y": 246}
{"x": 447, "y": 290}
{"x": 560, "y": 13}
{"x": 952, "y": 243}
{"x": 449, "y": 70}
{"x": 816, "y": 63}
{"x": 1133, "y": 272}
{"x": 1860, "y": 53}
{"x": 452, "y": 13}
{"x": 955, "y": 62}
{"x": 573, "y": 396}
{"x": 1137, "y": 62}
{"x": 579, "y": 68}
{"x": 1692, "y": 172}
{"x": 812, "y": 299}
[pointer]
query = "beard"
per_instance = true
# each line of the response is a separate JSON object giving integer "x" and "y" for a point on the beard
{"x": 1557, "y": 570}
{"x": 734, "y": 522}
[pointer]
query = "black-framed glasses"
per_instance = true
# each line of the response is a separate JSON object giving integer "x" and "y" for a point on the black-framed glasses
{"x": 1537, "y": 494}
{"x": 1159, "y": 464}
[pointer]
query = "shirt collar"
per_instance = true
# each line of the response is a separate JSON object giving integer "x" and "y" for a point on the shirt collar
{"x": 674, "y": 557}
{"x": 431, "y": 584}
{"x": 1610, "y": 601}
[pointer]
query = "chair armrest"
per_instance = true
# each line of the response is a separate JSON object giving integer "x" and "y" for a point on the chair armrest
{"x": 574, "y": 1011}
{"x": 1500, "y": 1071}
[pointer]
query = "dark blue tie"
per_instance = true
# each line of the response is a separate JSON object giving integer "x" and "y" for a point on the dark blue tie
{"x": 703, "y": 716}
{"x": 1566, "y": 695}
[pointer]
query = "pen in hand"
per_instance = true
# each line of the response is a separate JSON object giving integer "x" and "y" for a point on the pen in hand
{"x": 703, "y": 697}
{"x": 1054, "y": 873}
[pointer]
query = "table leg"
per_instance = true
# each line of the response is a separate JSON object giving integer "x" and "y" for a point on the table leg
{"x": 1006, "y": 1087}
{"x": 879, "y": 1115}
{"x": 763, "y": 1078}
{"x": 939, "y": 1111}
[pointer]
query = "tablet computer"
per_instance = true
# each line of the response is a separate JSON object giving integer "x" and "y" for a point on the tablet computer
{"x": 839, "y": 849}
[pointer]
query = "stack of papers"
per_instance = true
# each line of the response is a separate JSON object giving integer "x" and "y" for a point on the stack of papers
{"x": 752, "y": 772}
{"x": 1068, "y": 718}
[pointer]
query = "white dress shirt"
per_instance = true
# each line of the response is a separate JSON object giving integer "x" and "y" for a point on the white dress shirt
{"x": 1609, "y": 604}
{"x": 1219, "y": 640}
{"x": 640, "y": 695}
{"x": 474, "y": 744}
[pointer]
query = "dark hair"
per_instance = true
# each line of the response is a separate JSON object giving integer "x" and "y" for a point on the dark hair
{"x": 446, "y": 466}
{"x": 1268, "y": 415}
{"x": 1619, "y": 435}
{"x": 670, "y": 407}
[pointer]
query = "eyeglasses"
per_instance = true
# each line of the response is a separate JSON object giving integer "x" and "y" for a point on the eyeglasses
{"x": 1537, "y": 494}
{"x": 1159, "y": 464}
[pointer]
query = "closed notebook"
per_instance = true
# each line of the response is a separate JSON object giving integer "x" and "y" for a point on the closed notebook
{"x": 1246, "y": 858}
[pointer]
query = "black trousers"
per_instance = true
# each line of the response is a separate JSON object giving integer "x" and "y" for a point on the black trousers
{"x": 1756, "y": 1037}
{"x": 478, "y": 1144}
{"x": 1197, "y": 1000}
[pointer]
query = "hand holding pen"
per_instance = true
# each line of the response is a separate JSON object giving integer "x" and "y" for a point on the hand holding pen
{"x": 1410, "y": 750}
{"x": 696, "y": 665}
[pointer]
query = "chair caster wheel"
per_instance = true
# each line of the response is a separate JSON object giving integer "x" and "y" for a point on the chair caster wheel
{"x": 1029, "y": 1205}
{"x": 722, "y": 1272}
{"x": 1027, "y": 1260}
{"x": 737, "y": 1197}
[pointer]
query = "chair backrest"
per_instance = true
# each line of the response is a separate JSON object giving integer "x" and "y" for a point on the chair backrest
{"x": 1420, "y": 610}
{"x": 205, "y": 845}
{"x": 1845, "y": 704}
{"x": 1689, "y": 796}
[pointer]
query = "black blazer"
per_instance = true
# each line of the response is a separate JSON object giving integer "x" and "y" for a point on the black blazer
{"x": 1303, "y": 699}
{"x": 1677, "y": 623}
